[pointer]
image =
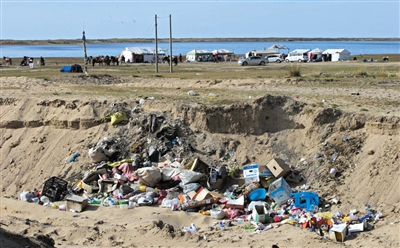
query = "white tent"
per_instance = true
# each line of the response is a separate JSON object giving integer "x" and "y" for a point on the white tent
{"x": 337, "y": 54}
{"x": 315, "y": 55}
{"x": 224, "y": 54}
{"x": 141, "y": 54}
{"x": 261, "y": 53}
{"x": 278, "y": 48}
{"x": 193, "y": 55}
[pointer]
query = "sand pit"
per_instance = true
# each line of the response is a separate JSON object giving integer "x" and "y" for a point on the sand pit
{"x": 45, "y": 122}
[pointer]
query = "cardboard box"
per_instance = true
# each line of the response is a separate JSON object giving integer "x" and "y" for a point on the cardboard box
{"x": 107, "y": 185}
{"x": 357, "y": 227}
{"x": 264, "y": 171}
{"x": 251, "y": 173}
{"x": 203, "y": 194}
{"x": 338, "y": 232}
{"x": 280, "y": 191}
{"x": 260, "y": 214}
{"x": 218, "y": 184}
{"x": 237, "y": 203}
{"x": 278, "y": 167}
{"x": 76, "y": 203}
{"x": 88, "y": 188}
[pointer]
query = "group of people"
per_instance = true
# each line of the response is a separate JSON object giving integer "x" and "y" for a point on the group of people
{"x": 174, "y": 59}
{"x": 30, "y": 61}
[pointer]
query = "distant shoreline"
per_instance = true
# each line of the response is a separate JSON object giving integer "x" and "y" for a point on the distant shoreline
{"x": 143, "y": 40}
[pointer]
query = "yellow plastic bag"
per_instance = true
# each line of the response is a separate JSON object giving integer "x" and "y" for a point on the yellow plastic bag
{"x": 118, "y": 117}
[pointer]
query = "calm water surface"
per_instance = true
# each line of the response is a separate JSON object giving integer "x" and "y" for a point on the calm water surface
{"x": 354, "y": 47}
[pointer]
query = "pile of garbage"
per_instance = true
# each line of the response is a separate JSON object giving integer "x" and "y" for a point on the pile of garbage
{"x": 164, "y": 171}
{"x": 263, "y": 202}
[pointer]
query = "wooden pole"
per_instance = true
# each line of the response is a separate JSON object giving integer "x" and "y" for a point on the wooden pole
{"x": 170, "y": 44}
{"x": 84, "y": 52}
{"x": 156, "y": 45}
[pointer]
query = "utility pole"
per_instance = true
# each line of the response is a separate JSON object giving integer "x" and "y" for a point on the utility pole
{"x": 84, "y": 51}
{"x": 156, "y": 45}
{"x": 170, "y": 44}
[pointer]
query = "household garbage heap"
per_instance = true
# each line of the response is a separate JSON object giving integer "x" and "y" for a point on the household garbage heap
{"x": 165, "y": 171}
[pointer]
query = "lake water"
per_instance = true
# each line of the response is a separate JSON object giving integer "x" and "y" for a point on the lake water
{"x": 354, "y": 47}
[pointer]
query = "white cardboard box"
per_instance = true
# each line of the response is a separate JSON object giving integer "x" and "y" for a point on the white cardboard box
{"x": 237, "y": 203}
{"x": 251, "y": 173}
{"x": 338, "y": 232}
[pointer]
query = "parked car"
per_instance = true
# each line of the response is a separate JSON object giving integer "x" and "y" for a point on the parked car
{"x": 253, "y": 60}
{"x": 274, "y": 58}
{"x": 300, "y": 55}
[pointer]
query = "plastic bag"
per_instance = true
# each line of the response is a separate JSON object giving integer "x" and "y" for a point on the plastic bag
{"x": 191, "y": 187}
{"x": 148, "y": 176}
{"x": 96, "y": 154}
{"x": 118, "y": 117}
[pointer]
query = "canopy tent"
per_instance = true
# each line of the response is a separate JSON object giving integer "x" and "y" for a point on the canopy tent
{"x": 336, "y": 54}
{"x": 141, "y": 54}
{"x": 196, "y": 54}
{"x": 224, "y": 54}
{"x": 278, "y": 48}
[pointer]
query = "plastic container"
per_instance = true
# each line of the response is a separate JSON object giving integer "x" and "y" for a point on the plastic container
{"x": 217, "y": 213}
{"x": 307, "y": 200}
{"x": 258, "y": 195}
{"x": 44, "y": 199}
{"x": 62, "y": 208}
{"x": 54, "y": 187}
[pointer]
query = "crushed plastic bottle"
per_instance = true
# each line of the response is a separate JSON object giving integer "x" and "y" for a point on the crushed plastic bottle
{"x": 221, "y": 225}
{"x": 192, "y": 228}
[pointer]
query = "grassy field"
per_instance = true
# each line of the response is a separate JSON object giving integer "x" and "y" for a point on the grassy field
{"x": 345, "y": 71}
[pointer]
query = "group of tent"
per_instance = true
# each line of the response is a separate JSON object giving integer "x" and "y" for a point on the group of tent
{"x": 147, "y": 55}
{"x": 327, "y": 55}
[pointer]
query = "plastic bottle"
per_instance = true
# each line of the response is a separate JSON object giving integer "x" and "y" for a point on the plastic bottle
{"x": 221, "y": 225}
{"x": 213, "y": 176}
{"x": 95, "y": 201}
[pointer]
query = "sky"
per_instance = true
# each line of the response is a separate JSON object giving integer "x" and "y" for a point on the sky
{"x": 66, "y": 19}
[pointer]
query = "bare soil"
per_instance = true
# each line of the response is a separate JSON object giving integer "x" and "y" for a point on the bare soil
{"x": 46, "y": 121}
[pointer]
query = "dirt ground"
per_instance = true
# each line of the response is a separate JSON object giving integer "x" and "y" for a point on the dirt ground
{"x": 41, "y": 130}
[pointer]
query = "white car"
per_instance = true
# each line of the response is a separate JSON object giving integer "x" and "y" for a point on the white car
{"x": 299, "y": 55}
{"x": 253, "y": 60}
{"x": 274, "y": 58}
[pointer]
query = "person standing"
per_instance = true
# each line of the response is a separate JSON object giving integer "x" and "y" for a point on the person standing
{"x": 42, "y": 63}
{"x": 180, "y": 57}
{"x": 31, "y": 62}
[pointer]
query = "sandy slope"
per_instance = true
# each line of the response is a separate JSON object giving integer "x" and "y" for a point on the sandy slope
{"x": 39, "y": 133}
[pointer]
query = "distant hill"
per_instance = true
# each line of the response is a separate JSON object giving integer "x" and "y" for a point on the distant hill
{"x": 142, "y": 40}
